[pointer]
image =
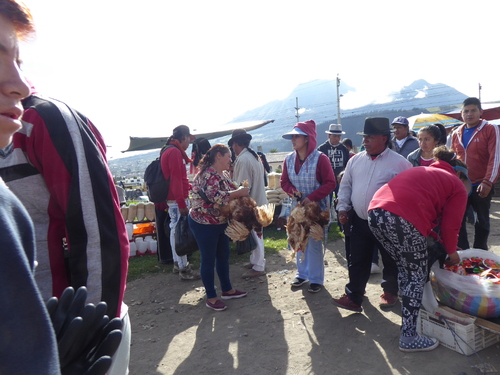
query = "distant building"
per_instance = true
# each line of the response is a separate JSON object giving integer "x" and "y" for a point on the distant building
{"x": 133, "y": 183}
{"x": 275, "y": 159}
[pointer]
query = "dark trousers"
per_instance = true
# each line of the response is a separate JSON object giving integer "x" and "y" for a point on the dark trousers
{"x": 162, "y": 237}
{"x": 362, "y": 243}
{"x": 482, "y": 226}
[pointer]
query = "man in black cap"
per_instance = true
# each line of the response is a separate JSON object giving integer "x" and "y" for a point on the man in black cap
{"x": 173, "y": 166}
{"x": 404, "y": 143}
{"x": 248, "y": 167}
{"x": 365, "y": 174}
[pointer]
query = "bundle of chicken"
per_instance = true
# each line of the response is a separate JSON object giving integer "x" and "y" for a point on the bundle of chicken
{"x": 244, "y": 216}
{"x": 305, "y": 221}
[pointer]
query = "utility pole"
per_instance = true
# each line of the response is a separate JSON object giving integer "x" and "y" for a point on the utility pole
{"x": 297, "y": 108}
{"x": 338, "y": 99}
{"x": 479, "y": 91}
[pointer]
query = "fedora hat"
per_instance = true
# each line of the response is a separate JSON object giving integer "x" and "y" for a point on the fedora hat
{"x": 376, "y": 126}
{"x": 335, "y": 129}
{"x": 238, "y": 135}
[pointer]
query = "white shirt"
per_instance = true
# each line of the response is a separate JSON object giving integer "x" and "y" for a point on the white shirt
{"x": 248, "y": 168}
{"x": 364, "y": 176}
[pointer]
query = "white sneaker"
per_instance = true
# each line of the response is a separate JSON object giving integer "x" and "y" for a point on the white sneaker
{"x": 375, "y": 268}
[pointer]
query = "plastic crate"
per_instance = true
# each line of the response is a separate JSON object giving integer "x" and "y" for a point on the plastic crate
{"x": 464, "y": 327}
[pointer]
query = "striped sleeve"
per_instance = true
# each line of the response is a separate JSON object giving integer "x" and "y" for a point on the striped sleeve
{"x": 83, "y": 206}
{"x": 494, "y": 152}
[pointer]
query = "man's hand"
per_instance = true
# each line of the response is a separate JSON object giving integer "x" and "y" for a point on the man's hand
{"x": 184, "y": 211}
{"x": 483, "y": 190}
{"x": 343, "y": 218}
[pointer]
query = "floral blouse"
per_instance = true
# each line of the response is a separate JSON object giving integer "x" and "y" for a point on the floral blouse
{"x": 216, "y": 189}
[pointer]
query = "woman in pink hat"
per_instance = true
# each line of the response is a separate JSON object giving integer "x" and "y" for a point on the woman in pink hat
{"x": 307, "y": 173}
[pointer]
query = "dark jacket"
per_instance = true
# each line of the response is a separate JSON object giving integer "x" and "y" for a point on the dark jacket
{"x": 338, "y": 155}
{"x": 411, "y": 144}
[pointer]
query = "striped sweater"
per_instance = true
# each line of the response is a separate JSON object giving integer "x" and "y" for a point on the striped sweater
{"x": 57, "y": 167}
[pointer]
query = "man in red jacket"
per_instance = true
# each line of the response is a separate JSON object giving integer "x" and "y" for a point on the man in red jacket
{"x": 173, "y": 165}
{"x": 477, "y": 144}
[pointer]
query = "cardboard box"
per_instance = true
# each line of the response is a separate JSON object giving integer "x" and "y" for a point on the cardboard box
{"x": 457, "y": 331}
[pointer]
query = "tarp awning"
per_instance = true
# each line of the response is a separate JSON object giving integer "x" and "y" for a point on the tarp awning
{"x": 150, "y": 143}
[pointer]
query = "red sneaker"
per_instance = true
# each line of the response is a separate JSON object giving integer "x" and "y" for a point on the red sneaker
{"x": 346, "y": 303}
{"x": 218, "y": 305}
{"x": 237, "y": 294}
{"x": 388, "y": 300}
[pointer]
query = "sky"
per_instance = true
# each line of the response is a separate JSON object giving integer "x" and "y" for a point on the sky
{"x": 142, "y": 68}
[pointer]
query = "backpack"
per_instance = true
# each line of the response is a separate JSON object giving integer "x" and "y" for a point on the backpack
{"x": 156, "y": 185}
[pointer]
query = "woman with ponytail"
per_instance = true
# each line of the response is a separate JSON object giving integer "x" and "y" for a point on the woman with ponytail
{"x": 403, "y": 214}
{"x": 429, "y": 137}
{"x": 213, "y": 188}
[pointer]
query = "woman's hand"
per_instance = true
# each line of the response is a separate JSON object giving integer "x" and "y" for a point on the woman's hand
{"x": 244, "y": 191}
{"x": 452, "y": 259}
{"x": 240, "y": 192}
{"x": 306, "y": 200}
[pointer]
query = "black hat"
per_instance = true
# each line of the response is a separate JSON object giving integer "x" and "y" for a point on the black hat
{"x": 239, "y": 135}
{"x": 182, "y": 131}
{"x": 376, "y": 126}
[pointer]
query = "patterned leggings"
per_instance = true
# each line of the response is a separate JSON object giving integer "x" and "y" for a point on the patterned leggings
{"x": 408, "y": 247}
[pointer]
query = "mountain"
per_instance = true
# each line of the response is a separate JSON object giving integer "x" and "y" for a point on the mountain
{"x": 317, "y": 100}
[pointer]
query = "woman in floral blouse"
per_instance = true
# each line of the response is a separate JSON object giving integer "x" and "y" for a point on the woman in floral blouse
{"x": 211, "y": 189}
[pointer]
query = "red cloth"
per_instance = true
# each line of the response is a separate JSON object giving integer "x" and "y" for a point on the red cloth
{"x": 426, "y": 197}
{"x": 173, "y": 165}
{"x": 71, "y": 196}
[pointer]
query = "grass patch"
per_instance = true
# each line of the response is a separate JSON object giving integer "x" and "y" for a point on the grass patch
{"x": 274, "y": 241}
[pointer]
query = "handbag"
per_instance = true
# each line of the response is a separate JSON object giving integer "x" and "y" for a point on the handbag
{"x": 185, "y": 242}
{"x": 246, "y": 246}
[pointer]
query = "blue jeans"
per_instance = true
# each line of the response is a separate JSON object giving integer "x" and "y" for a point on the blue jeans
{"x": 214, "y": 251}
{"x": 311, "y": 267}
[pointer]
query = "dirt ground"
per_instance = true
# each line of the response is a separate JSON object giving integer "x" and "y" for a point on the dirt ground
{"x": 277, "y": 330}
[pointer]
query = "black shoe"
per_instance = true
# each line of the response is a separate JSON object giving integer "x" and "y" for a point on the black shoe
{"x": 298, "y": 282}
{"x": 315, "y": 288}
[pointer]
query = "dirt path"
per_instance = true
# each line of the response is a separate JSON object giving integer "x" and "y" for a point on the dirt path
{"x": 276, "y": 330}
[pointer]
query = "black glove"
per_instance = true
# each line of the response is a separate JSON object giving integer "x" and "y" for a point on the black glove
{"x": 86, "y": 338}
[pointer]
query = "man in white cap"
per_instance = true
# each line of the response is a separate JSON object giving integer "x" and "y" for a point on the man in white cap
{"x": 336, "y": 151}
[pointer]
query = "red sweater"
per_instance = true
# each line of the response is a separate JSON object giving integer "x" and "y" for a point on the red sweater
{"x": 57, "y": 168}
{"x": 174, "y": 167}
{"x": 426, "y": 197}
